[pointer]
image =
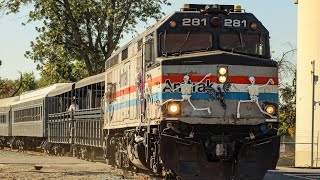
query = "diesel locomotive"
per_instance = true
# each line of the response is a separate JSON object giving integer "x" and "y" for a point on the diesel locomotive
{"x": 194, "y": 97}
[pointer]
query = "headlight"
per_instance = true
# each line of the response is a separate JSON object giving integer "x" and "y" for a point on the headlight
{"x": 222, "y": 70}
{"x": 270, "y": 109}
{"x": 222, "y": 79}
{"x": 222, "y": 74}
{"x": 173, "y": 108}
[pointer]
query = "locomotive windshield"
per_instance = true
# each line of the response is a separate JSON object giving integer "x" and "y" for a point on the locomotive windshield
{"x": 252, "y": 44}
{"x": 177, "y": 42}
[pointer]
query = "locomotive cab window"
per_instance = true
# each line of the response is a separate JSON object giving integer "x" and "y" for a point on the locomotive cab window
{"x": 252, "y": 44}
{"x": 185, "y": 42}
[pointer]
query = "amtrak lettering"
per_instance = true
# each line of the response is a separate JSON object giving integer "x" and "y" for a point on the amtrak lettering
{"x": 199, "y": 88}
{"x": 215, "y": 93}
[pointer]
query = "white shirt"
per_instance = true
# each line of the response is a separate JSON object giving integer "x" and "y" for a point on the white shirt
{"x": 73, "y": 107}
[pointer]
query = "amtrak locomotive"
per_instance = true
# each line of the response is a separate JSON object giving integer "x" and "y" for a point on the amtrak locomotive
{"x": 194, "y": 97}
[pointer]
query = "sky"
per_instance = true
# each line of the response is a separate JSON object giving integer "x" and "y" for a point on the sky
{"x": 278, "y": 16}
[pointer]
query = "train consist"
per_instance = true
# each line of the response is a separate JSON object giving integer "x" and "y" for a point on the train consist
{"x": 195, "y": 96}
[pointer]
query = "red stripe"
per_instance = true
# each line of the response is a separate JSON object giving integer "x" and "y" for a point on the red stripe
{"x": 213, "y": 79}
{"x": 125, "y": 91}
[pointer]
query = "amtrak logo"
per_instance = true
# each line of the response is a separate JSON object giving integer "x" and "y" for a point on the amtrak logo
{"x": 186, "y": 92}
{"x": 200, "y": 87}
{"x": 186, "y": 88}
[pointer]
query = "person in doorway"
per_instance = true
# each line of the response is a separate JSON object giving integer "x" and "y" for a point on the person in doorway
{"x": 73, "y": 106}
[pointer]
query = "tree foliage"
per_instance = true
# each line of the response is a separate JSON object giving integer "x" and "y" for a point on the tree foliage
{"x": 29, "y": 82}
{"x": 287, "y": 109}
{"x": 26, "y": 82}
{"x": 82, "y": 33}
{"x": 287, "y": 106}
{"x": 6, "y": 88}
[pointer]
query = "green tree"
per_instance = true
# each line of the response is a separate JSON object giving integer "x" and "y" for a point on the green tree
{"x": 287, "y": 89}
{"x": 287, "y": 109}
{"x": 80, "y": 33}
{"x": 9, "y": 88}
{"x": 5, "y": 88}
{"x": 26, "y": 82}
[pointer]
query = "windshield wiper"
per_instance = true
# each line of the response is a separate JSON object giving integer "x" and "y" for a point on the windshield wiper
{"x": 188, "y": 35}
{"x": 241, "y": 41}
{"x": 164, "y": 43}
{"x": 260, "y": 48}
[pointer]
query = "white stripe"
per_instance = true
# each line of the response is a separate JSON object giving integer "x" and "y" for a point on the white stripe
{"x": 155, "y": 89}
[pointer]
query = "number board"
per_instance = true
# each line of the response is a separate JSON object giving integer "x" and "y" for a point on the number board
{"x": 202, "y": 22}
{"x": 194, "y": 22}
{"x": 235, "y": 23}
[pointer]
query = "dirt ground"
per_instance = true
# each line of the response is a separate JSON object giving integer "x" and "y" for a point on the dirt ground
{"x": 20, "y": 166}
{"x": 14, "y": 165}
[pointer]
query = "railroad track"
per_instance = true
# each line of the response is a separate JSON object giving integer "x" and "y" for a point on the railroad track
{"x": 35, "y": 153}
{"x": 124, "y": 174}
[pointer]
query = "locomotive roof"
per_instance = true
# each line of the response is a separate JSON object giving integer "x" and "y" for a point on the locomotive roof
{"x": 90, "y": 80}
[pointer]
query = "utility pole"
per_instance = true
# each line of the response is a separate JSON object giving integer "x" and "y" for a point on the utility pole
{"x": 314, "y": 81}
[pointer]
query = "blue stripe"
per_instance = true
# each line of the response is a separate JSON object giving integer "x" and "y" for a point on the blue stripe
{"x": 123, "y": 105}
{"x": 229, "y": 96}
{"x": 273, "y": 97}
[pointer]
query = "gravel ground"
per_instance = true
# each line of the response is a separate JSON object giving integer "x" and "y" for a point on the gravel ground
{"x": 14, "y": 165}
{"x": 20, "y": 166}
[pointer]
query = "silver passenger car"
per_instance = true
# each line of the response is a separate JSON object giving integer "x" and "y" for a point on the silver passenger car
{"x": 29, "y": 114}
{"x": 5, "y": 116}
